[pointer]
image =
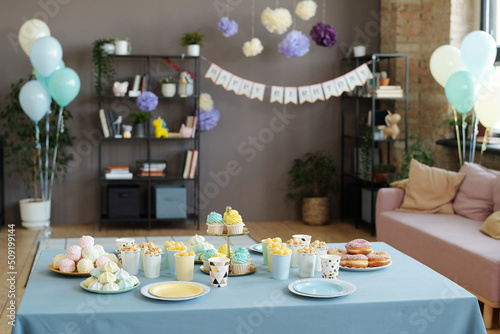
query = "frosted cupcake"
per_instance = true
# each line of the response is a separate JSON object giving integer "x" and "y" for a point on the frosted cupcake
{"x": 233, "y": 221}
{"x": 240, "y": 263}
{"x": 205, "y": 256}
{"x": 215, "y": 223}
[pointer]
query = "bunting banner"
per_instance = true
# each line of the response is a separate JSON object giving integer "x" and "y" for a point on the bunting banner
{"x": 322, "y": 91}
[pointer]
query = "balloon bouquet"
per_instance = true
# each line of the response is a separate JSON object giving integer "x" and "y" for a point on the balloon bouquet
{"x": 470, "y": 82}
{"x": 53, "y": 81}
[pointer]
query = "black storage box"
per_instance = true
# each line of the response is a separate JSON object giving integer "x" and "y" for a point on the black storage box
{"x": 124, "y": 201}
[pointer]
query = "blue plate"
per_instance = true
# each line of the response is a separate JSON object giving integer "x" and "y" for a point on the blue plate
{"x": 320, "y": 288}
{"x": 256, "y": 248}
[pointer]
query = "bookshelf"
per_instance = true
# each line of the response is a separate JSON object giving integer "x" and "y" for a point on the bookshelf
{"x": 138, "y": 199}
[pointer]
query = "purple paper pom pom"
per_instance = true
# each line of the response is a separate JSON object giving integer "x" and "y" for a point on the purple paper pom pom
{"x": 324, "y": 35}
{"x": 227, "y": 27}
{"x": 295, "y": 44}
{"x": 208, "y": 119}
{"x": 147, "y": 101}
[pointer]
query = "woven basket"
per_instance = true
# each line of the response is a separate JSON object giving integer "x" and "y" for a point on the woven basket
{"x": 315, "y": 210}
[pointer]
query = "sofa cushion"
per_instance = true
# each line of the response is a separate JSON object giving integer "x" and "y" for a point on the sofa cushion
{"x": 491, "y": 225}
{"x": 430, "y": 189}
{"x": 474, "y": 198}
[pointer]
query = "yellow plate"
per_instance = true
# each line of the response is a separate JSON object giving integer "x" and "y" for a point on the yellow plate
{"x": 175, "y": 290}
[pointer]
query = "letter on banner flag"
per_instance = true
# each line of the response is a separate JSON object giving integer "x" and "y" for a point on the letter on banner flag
{"x": 224, "y": 78}
{"x": 277, "y": 94}
{"x": 341, "y": 84}
{"x": 364, "y": 73}
{"x": 258, "y": 91}
{"x": 245, "y": 88}
{"x": 234, "y": 84}
{"x": 352, "y": 80}
{"x": 330, "y": 89}
{"x": 291, "y": 95}
{"x": 317, "y": 93}
{"x": 213, "y": 72}
{"x": 304, "y": 94}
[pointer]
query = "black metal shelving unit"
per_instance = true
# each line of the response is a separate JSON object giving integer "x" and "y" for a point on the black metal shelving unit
{"x": 355, "y": 107}
{"x": 149, "y": 143}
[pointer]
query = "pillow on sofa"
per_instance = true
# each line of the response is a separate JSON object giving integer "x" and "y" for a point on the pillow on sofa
{"x": 491, "y": 225}
{"x": 430, "y": 189}
{"x": 474, "y": 198}
{"x": 401, "y": 184}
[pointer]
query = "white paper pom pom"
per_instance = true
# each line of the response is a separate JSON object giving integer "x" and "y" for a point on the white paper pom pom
{"x": 253, "y": 47}
{"x": 306, "y": 9}
{"x": 206, "y": 102}
{"x": 276, "y": 21}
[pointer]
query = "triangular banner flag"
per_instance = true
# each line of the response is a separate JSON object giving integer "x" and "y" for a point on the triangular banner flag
{"x": 245, "y": 88}
{"x": 317, "y": 93}
{"x": 223, "y": 78}
{"x": 364, "y": 73}
{"x": 234, "y": 84}
{"x": 330, "y": 89}
{"x": 291, "y": 95}
{"x": 258, "y": 90}
{"x": 213, "y": 72}
{"x": 352, "y": 80}
{"x": 304, "y": 94}
{"x": 277, "y": 94}
{"x": 341, "y": 84}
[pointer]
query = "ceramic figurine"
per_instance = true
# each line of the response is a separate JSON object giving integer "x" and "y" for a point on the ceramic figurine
{"x": 185, "y": 88}
{"x": 120, "y": 88}
{"x": 116, "y": 127}
{"x": 392, "y": 128}
{"x": 161, "y": 130}
{"x": 185, "y": 131}
{"x": 127, "y": 131}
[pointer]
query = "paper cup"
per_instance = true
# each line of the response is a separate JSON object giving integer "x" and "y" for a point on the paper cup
{"x": 130, "y": 261}
{"x": 152, "y": 264}
{"x": 141, "y": 260}
{"x": 171, "y": 261}
{"x": 165, "y": 251}
{"x": 304, "y": 237}
{"x": 294, "y": 263}
{"x": 319, "y": 252}
{"x": 307, "y": 262}
{"x": 269, "y": 260}
{"x": 264, "y": 252}
{"x": 122, "y": 242}
{"x": 219, "y": 271}
{"x": 281, "y": 266}
{"x": 330, "y": 266}
{"x": 184, "y": 266}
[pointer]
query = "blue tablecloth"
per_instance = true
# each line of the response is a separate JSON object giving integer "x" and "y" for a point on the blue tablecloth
{"x": 406, "y": 297}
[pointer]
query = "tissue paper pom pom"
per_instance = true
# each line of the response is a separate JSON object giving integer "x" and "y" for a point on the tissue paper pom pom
{"x": 306, "y": 9}
{"x": 208, "y": 119}
{"x": 206, "y": 102}
{"x": 147, "y": 101}
{"x": 277, "y": 20}
{"x": 227, "y": 27}
{"x": 253, "y": 47}
{"x": 324, "y": 35}
{"x": 295, "y": 44}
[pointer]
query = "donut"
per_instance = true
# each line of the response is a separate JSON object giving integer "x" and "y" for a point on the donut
{"x": 358, "y": 246}
{"x": 378, "y": 259}
{"x": 337, "y": 251}
{"x": 354, "y": 261}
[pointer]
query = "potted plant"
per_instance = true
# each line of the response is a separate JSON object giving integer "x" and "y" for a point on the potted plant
{"x": 450, "y": 122}
{"x": 102, "y": 65}
{"x": 193, "y": 41}
{"x": 382, "y": 172}
{"x": 139, "y": 119}
{"x": 146, "y": 102}
{"x": 19, "y": 136}
{"x": 122, "y": 47}
{"x": 357, "y": 50}
{"x": 168, "y": 86}
{"x": 417, "y": 151}
{"x": 311, "y": 181}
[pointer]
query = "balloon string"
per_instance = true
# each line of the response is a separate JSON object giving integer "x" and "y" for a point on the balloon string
{"x": 46, "y": 179}
{"x": 485, "y": 140}
{"x": 476, "y": 131}
{"x": 464, "y": 125}
{"x": 324, "y": 10}
{"x": 458, "y": 136}
{"x": 471, "y": 148}
{"x": 60, "y": 128}
{"x": 39, "y": 153}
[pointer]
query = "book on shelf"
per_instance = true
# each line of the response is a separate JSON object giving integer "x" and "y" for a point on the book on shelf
{"x": 104, "y": 123}
{"x": 152, "y": 173}
{"x": 117, "y": 168}
{"x": 187, "y": 164}
{"x": 119, "y": 176}
{"x": 389, "y": 91}
{"x": 191, "y": 123}
{"x": 194, "y": 164}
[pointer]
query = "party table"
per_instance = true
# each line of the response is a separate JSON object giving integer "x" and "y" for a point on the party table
{"x": 406, "y": 297}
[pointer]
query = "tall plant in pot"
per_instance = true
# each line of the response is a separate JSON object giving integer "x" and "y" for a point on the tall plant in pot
{"x": 311, "y": 182}
{"x": 193, "y": 41}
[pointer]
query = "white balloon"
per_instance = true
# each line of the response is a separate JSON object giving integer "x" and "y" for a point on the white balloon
{"x": 487, "y": 105}
{"x": 445, "y": 61}
{"x": 30, "y": 31}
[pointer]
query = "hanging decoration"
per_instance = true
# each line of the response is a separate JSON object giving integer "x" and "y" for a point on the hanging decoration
{"x": 254, "y": 46}
{"x": 206, "y": 102}
{"x": 147, "y": 101}
{"x": 295, "y": 44}
{"x": 208, "y": 116}
{"x": 226, "y": 26}
{"x": 276, "y": 21}
{"x": 324, "y": 34}
{"x": 306, "y": 9}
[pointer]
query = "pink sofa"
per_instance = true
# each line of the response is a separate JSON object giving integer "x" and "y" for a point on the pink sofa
{"x": 450, "y": 244}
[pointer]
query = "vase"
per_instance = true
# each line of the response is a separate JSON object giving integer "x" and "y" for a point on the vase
{"x": 193, "y": 50}
{"x": 35, "y": 214}
{"x": 359, "y": 51}
{"x": 139, "y": 130}
{"x": 168, "y": 89}
{"x": 121, "y": 47}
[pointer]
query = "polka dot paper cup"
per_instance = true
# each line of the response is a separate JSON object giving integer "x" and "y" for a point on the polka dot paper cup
{"x": 330, "y": 266}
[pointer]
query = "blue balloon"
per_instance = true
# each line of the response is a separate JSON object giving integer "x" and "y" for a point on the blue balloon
{"x": 479, "y": 51}
{"x": 64, "y": 85}
{"x": 45, "y": 80}
{"x": 35, "y": 100}
{"x": 460, "y": 91}
{"x": 46, "y": 55}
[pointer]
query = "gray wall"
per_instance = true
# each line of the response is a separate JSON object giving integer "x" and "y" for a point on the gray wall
{"x": 258, "y": 191}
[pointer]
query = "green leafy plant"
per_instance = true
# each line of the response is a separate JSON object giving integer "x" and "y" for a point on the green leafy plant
{"x": 384, "y": 168}
{"x": 417, "y": 151}
{"x": 169, "y": 80}
{"x": 311, "y": 176}
{"x": 139, "y": 117}
{"x": 19, "y": 141}
{"x": 192, "y": 38}
{"x": 102, "y": 65}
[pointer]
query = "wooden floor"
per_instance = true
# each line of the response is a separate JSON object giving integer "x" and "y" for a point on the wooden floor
{"x": 26, "y": 246}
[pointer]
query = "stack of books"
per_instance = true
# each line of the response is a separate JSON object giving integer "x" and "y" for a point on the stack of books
{"x": 152, "y": 169}
{"x": 191, "y": 123}
{"x": 389, "y": 92}
{"x": 118, "y": 173}
{"x": 190, "y": 164}
{"x": 108, "y": 117}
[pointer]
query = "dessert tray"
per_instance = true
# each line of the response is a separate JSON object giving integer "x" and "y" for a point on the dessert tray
{"x": 245, "y": 232}
{"x": 256, "y": 248}
{"x": 107, "y": 292}
{"x": 252, "y": 270}
{"x": 365, "y": 269}
{"x": 174, "y": 290}
{"x": 321, "y": 288}
{"x": 74, "y": 273}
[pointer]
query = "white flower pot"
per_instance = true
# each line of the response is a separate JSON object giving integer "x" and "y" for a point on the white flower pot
{"x": 359, "y": 51}
{"x": 193, "y": 50}
{"x": 168, "y": 89}
{"x": 35, "y": 215}
{"x": 121, "y": 48}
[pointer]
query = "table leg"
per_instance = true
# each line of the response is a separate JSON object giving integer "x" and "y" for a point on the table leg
{"x": 488, "y": 316}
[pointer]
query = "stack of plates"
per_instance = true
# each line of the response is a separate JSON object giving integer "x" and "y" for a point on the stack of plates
{"x": 321, "y": 288}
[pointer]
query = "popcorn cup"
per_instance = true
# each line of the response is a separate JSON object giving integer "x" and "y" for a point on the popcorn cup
{"x": 264, "y": 252}
{"x": 219, "y": 271}
{"x": 152, "y": 264}
{"x": 130, "y": 261}
{"x": 320, "y": 252}
{"x": 122, "y": 242}
{"x": 294, "y": 263}
{"x": 171, "y": 261}
{"x": 281, "y": 264}
{"x": 184, "y": 266}
{"x": 141, "y": 260}
{"x": 330, "y": 266}
{"x": 307, "y": 262}
{"x": 304, "y": 237}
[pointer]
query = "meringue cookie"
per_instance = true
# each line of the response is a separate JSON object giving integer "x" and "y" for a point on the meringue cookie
{"x": 86, "y": 241}
{"x": 56, "y": 259}
{"x": 67, "y": 265}
{"x": 88, "y": 281}
{"x": 95, "y": 285}
{"x": 90, "y": 253}
{"x": 107, "y": 278}
{"x": 110, "y": 287}
{"x": 85, "y": 266}
{"x": 74, "y": 253}
{"x": 109, "y": 267}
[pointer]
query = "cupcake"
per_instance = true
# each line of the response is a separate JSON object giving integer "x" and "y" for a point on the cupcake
{"x": 240, "y": 263}
{"x": 223, "y": 250}
{"x": 233, "y": 221}
{"x": 205, "y": 256}
{"x": 215, "y": 223}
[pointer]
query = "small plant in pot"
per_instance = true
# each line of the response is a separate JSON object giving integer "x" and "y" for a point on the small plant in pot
{"x": 311, "y": 182}
{"x": 139, "y": 118}
{"x": 382, "y": 172}
{"x": 168, "y": 86}
{"x": 193, "y": 41}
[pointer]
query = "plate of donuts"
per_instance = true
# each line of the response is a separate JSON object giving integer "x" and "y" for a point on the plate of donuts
{"x": 365, "y": 269}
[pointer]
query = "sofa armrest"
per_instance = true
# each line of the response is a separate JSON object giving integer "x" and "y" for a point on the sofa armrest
{"x": 389, "y": 199}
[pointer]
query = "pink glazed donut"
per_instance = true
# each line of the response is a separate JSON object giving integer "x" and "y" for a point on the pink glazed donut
{"x": 358, "y": 246}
